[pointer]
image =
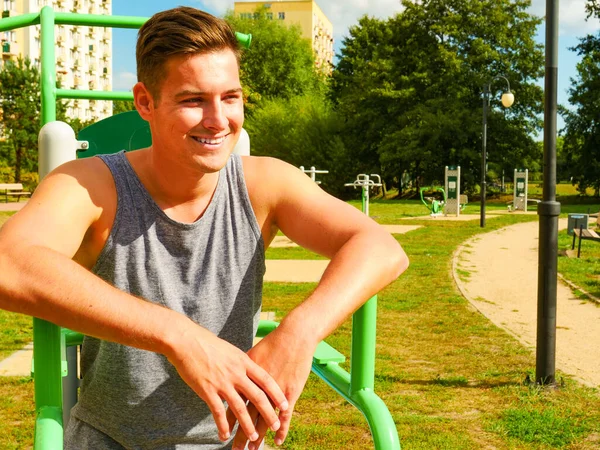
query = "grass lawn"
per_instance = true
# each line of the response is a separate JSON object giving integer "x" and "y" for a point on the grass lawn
{"x": 451, "y": 379}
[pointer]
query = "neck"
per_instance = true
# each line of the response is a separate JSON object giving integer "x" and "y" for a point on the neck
{"x": 180, "y": 191}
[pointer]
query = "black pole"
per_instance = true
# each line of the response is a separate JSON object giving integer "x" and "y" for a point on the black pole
{"x": 548, "y": 211}
{"x": 486, "y": 95}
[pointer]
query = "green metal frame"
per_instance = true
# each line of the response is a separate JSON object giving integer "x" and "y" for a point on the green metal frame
{"x": 436, "y": 206}
{"x": 50, "y": 341}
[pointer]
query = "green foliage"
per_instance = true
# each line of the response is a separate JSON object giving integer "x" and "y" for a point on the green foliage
{"x": 20, "y": 103}
{"x": 304, "y": 131}
{"x": 410, "y": 88}
{"x": 582, "y": 129}
{"x": 20, "y": 106}
{"x": 120, "y": 106}
{"x": 278, "y": 64}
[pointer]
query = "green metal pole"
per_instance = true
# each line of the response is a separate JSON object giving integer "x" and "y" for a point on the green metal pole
{"x": 48, "y": 66}
{"x": 362, "y": 354}
{"x": 364, "y": 334}
{"x": 48, "y": 429}
{"x": 47, "y": 353}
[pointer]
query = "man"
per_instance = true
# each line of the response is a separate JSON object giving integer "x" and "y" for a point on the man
{"x": 157, "y": 256}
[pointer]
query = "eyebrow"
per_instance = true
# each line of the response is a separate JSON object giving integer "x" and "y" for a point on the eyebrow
{"x": 191, "y": 93}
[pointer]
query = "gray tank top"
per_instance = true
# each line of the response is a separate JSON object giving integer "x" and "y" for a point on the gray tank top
{"x": 210, "y": 270}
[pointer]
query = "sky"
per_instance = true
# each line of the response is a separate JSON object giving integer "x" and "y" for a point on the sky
{"x": 343, "y": 14}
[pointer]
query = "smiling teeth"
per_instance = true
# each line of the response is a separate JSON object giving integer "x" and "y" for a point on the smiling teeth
{"x": 210, "y": 141}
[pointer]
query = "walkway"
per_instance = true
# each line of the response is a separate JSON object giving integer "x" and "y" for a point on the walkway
{"x": 502, "y": 269}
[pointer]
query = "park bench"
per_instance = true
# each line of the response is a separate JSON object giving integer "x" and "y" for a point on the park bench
{"x": 13, "y": 190}
{"x": 583, "y": 234}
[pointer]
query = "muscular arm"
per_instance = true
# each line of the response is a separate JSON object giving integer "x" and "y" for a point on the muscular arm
{"x": 39, "y": 278}
{"x": 364, "y": 259}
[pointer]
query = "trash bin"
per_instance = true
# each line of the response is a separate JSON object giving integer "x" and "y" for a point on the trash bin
{"x": 576, "y": 221}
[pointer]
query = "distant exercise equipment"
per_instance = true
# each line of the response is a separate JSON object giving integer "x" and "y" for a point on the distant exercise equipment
{"x": 520, "y": 189}
{"x": 365, "y": 183}
{"x": 434, "y": 205}
{"x": 455, "y": 202}
{"x": 313, "y": 173}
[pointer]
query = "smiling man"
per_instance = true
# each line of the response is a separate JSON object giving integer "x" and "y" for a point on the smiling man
{"x": 157, "y": 256}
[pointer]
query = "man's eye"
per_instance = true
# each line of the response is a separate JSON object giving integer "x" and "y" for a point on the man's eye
{"x": 192, "y": 100}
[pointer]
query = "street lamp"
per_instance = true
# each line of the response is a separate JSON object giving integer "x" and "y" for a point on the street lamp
{"x": 508, "y": 99}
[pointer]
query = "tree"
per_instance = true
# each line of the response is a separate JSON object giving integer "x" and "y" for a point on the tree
{"x": 278, "y": 64}
{"x": 581, "y": 148}
{"x": 120, "y": 106}
{"x": 20, "y": 106}
{"x": 303, "y": 131}
{"x": 410, "y": 88}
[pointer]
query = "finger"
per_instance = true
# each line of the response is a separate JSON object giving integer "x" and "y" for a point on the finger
{"x": 285, "y": 417}
{"x": 240, "y": 440}
{"x": 261, "y": 402}
{"x": 261, "y": 429}
{"x": 262, "y": 378}
{"x": 240, "y": 410}
{"x": 231, "y": 419}
{"x": 217, "y": 408}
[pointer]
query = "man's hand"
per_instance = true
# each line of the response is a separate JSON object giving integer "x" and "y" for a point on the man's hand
{"x": 217, "y": 371}
{"x": 287, "y": 356}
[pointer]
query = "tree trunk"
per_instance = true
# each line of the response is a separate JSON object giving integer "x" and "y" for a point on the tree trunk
{"x": 18, "y": 163}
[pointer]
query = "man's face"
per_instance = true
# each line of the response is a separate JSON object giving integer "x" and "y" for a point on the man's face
{"x": 199, "y": 117}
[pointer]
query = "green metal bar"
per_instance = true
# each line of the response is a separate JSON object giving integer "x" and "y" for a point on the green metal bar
{"x": 72, "y": 337}
{"x": 98, "y": 20}
{"x": 381, "y": 422}
{"x": 47, "y": 356}
{"x": 48, "y": 68}
{"x": 47, "y": 351}
{"x": 48, "y": 429}
{"x": 362, "y": 354}
{"x": 94, "y": 95}
{"x": 20, "y": 21}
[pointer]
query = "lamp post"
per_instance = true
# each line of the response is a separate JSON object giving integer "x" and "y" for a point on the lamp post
{"x": 507, "y": 100}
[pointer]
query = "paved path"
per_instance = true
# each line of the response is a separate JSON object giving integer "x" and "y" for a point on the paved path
{"x": 502, "y": 284}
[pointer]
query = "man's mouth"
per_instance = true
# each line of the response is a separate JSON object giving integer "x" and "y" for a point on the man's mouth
{"x": 211, "y": 141}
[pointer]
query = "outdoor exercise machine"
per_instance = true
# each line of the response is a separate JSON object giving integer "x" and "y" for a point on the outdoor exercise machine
{"x": 434, "y": 205}
{"x": 54, "y": 348}
{"x": 312, "y": 171}
{"x": 520, "y": 185}
{"x": 455, "y": 202}
{"x": 365, "y": 183}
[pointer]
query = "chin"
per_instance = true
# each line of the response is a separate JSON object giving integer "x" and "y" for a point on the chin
{"x": 213, "y": 163}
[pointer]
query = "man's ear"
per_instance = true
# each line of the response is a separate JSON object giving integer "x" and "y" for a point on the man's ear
{"x": 143, "y": 101}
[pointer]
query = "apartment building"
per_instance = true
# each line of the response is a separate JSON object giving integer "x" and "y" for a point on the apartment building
{"x": 314, "y": 24}
{"x": 83, "y": 54}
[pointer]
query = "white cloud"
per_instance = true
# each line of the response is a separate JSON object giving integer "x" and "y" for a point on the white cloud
{"x": 217, "y": 7}
{"x": 124, "y": 81}
{"x": 571, "y": 17}
{"x": 344, "y": 14}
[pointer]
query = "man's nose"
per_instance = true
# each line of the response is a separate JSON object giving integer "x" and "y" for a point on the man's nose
{"x": 214, "y": 116}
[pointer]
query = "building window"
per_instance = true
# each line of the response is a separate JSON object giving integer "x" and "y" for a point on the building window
{"x": 270, "y": 16}
{"x": 281, "y": 16}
